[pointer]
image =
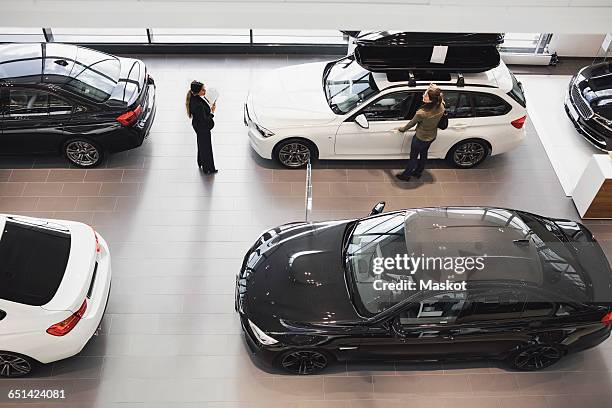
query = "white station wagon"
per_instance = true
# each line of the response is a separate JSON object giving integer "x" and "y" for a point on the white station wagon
{"x": 340, "y": 110}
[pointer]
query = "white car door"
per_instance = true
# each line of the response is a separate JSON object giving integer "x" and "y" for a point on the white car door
{"x": 379, "y": 138}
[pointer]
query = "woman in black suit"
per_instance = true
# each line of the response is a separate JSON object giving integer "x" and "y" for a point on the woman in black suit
{"x": 202, "y": 114}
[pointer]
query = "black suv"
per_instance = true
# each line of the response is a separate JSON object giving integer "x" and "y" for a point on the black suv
{"x": 60, "y": 98}
{"x": 588, "y": 104}
{"x": 536, "y": 289}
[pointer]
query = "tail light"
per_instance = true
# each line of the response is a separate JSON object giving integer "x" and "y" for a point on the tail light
{"x": 129, "y": 118}
{"x": 65, "y": 326}
{"x": 519, "y": 123}
{"x": 607, "y": 319}
{"x": 98, "y": 248}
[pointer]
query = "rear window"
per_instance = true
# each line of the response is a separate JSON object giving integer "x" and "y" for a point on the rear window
{"x": 94, "y": 75}
{"x": 517, "y": 93}
{"x": 33, "y": 260}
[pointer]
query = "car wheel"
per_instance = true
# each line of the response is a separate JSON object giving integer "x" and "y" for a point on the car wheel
{"x": 83, "y": 153}
{"x": 15, "y": 365}
{"x": 304, "y": 362}
{"x": 536, "y": 357}
{"x": 295, "y": 153}
{"x": 468, "y": 153}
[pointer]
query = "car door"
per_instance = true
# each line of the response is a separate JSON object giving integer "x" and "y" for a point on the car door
{"x": 34, "y": 121}
{"x": 421, "y": 331}
{"x": 383, "y": 115}
{"x": 491, "y": 119}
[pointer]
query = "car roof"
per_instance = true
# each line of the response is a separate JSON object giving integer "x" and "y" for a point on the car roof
{"x": 498, "y": 77}
{"x": 491, "y": 233}
{"x": 23, "y": 63}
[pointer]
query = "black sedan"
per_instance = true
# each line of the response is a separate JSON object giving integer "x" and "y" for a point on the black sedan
{"x": 74, "y": 101}
{"x": 588, "y": 104}
{"x": 502, "y": 284}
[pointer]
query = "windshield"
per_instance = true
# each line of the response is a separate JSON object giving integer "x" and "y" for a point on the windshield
{"x": 33, "y": 260}
{"x": 348, "y": 85}
{"x": 377, "y": 237}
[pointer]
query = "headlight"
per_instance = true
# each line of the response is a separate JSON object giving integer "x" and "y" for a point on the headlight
{"x": 264, "y": 132}
{"x": 262, "y": 337}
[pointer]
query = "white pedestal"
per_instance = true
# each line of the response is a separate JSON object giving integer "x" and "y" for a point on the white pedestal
{"x": 593, "y": 192}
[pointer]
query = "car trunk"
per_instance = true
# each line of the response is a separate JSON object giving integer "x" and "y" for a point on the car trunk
{"x": 33, "y": 260}
{"x": 80, "y": 268}
{"x": 131, "y": 92}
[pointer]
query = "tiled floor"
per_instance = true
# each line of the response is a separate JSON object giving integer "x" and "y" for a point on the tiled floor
{"x": 171, "y": 338}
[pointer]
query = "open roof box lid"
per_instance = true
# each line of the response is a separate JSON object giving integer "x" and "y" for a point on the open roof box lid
{"x": 384, "y": 51}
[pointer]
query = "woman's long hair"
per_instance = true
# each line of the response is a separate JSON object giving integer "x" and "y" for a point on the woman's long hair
{"x": 436, "y": 97}
{"x": 194, "y": 89}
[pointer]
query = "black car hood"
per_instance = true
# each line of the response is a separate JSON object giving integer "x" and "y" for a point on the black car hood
{"x": 295, "y": 274}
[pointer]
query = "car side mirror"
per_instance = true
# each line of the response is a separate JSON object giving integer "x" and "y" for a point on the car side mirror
{"x": 378, "y": 208}
{"x": 2, "y": 314}
{"x": 362, "y": 121}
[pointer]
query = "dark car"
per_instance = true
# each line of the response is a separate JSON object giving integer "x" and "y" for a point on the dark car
{"x": 589, "y": 104}
{"x": 537, "y": 288}
{"x": 60, "y": 98}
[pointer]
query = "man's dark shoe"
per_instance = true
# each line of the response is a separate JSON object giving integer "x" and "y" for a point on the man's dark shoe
{"x": 403, "y": 177}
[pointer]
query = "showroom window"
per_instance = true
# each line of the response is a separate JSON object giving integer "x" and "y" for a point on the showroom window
{"x": 21, "y": 34}
{"x": 262, "y": 36}
{"x": 199, "y": 36}
{"x": 100, "y": 35}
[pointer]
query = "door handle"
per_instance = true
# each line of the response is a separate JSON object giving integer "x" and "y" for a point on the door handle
{"x": 459, "y": 126}
{"x": 448, "y": 337}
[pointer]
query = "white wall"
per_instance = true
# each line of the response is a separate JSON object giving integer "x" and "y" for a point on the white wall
{"x": 577, "y": 45}
{"x": 567, "y": 16}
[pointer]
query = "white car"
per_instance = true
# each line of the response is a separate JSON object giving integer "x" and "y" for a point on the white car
{"x": 340, "y": 110}
{"x": 55, "y": 281}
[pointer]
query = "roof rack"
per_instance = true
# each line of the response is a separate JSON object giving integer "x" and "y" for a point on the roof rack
{"x": 412, "y": 77}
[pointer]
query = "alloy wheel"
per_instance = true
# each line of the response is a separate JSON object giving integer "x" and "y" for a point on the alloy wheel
{"x": 304, "y": 362}
{"x": 469, "y": 154}
{"x": 537, "y": 357}
{"x": 294, "y": 154}
{"x": 13, "y": 366}
{"x": 82, "y": 153}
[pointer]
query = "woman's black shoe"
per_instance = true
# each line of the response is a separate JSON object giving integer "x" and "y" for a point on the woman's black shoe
{"x": 403, "y": 177}
{"x": 418, "y": 176}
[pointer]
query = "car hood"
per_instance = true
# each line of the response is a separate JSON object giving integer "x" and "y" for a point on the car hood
{"x": 291, "y": 97}
{"x": 295, "y": 274}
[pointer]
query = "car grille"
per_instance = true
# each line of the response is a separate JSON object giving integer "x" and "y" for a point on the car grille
{"x": 580, "y": 103}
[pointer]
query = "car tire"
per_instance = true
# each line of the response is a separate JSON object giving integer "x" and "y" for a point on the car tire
{"x": 13, "y": 365}
{"x": 295, "y": 153}
{"x": 536, "y": 357}
{"x": 468, "y": 153}
{"x": 304, "y": 361}
{"x": 83, "y": 153}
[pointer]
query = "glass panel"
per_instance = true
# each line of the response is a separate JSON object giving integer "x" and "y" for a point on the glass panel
{"x": 200, "y": 35}
{"x": 521, "y": 40}
{"x": 21, "y": 34}
{"x": 391, "y": 107}
{"x": 28, "y": 102}
{"x": 298, "y": 37}
{"x": 100, "y": 35}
